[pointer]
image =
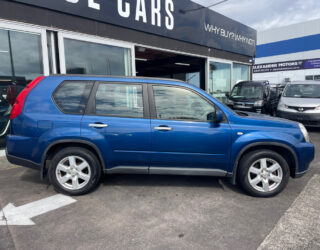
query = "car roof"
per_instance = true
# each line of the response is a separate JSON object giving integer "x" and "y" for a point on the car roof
{"x": 305, "y": 82}
{"x": 117, "y": 78}
{"x": 254, "y": 82}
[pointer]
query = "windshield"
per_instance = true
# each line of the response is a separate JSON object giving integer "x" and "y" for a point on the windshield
{"x": 302, "y": 91}
{"x": 247, "y": 91}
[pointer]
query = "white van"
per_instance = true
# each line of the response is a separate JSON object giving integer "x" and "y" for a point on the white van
{"x": 300, "y": 101}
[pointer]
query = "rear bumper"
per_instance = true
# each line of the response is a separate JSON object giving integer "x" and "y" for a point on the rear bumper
{"x": 23, "y": 162}
{"x": 308, "y": 119}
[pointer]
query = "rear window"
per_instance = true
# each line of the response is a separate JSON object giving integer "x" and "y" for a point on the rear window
{"x": 71, "y": 96}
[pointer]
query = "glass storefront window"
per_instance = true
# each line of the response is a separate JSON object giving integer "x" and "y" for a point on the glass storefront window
{"x": 20, "y": 62}
{"x": 240, "y": 73}
{"x": 220, "y": 80}
{"x": 20, "y": 55}
{"x": 96, "y": 59}
{"x": 5, "y": 59}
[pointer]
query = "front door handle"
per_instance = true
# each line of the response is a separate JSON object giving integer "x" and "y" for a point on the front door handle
{"x": 163, "y": 128}
{"x": 98, "y": 125}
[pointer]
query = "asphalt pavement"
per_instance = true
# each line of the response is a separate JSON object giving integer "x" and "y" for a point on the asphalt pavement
{"x": 162, "y": 212}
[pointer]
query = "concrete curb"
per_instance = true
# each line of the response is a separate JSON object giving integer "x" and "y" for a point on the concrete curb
{"x": 299, "y": 227}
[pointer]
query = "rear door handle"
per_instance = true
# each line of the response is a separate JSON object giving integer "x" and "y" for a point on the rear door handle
{"x": 163, "y": 128}
{"x": 98, "y": 125}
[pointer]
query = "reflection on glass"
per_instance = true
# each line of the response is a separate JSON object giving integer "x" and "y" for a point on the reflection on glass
{"x": 220, "y": 80}
{"x": 72, "y": 97}
{"x": 240, "y": 73}
{"x": 20, "y": 62}
{"x": 119, "y": 100}
{"x": 96, "y": 59}
{"x": 26, "y": 54}
{"x": 180, "y": 104}
{"x": 5, "y": 63}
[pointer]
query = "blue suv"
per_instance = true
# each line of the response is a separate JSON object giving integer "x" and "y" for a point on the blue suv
{"x": 74, "y": 128}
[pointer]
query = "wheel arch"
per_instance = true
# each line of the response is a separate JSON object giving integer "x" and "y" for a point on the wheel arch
{"x": 58, "y": 145}
{"x": 284, "y": 150}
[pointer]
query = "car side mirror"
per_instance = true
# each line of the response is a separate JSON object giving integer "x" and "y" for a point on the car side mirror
{"x": 227, "y": 95}
{"x": 216, "y": 116}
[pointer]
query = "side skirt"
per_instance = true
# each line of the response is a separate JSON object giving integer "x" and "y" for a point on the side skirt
{"x": 167, "y": 171}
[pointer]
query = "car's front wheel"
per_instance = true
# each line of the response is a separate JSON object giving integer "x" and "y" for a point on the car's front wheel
{"x": 74, "y": 171}
{"x": 263, "y": 173}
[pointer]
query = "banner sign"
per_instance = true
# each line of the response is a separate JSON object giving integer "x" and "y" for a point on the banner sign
{"x": 286, "y": 66}
{"x": 178, "y": 19}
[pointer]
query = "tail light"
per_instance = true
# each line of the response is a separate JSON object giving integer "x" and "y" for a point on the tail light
{"x": 18, "y": 105}
{"x": 11, "y": 94}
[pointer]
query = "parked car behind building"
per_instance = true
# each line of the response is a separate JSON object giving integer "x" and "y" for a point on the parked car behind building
{"x": 254, "y": 96}
{"x": 300, "y": 101}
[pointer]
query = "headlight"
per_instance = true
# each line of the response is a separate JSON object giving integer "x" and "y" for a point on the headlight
{"x": 258, "y": 103}
{"x": 229, "y": 102}
{"x": 304, "y": 132}
{"x": 282, "y": 105}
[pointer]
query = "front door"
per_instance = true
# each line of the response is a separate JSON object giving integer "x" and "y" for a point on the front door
{"x": 182, "y": 136}
{"x": 118, "y": 123}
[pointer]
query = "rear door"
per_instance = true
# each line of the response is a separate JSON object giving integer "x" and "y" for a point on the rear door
{"x": 117, "y": 121}
{"x": 183, "y": 139}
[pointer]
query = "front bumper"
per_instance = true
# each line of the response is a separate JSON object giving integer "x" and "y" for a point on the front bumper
{"x": 305, "y": 153}
{"x": 247, "y": 108}
{"x": 308, "y": 119}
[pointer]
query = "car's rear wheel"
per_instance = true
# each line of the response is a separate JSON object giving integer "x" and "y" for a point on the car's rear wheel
{"x": 263, "y": 173}
{"x": 74, "y": 171}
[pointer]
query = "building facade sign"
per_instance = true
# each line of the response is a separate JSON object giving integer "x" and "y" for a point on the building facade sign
{"x": 180, "y": 20}
{"x": 286, "y": 66}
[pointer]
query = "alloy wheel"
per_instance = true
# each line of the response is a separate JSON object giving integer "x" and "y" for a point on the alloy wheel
{"x": 265, "y": 175}
{"x": 73, "y": 172}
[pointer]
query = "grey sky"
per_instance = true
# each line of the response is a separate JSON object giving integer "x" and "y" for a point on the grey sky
{"x": 267, "y": 14}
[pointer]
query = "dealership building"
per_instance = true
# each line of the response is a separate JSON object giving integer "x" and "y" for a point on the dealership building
{"x": 290, "y": 53}
{"x": 154, "y": 38}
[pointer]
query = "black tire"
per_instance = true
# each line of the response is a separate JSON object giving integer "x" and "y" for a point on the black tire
{"x": 93, "y": 164}
{"x": 252, "y": 157}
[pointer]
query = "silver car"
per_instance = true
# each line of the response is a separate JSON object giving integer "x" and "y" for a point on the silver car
{"x": 300, "y": 101}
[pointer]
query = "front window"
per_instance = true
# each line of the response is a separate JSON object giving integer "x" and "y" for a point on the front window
{"x": 247, "y": 92}
{"x": 180, "y": 104}
{"x": 302, "y": 91}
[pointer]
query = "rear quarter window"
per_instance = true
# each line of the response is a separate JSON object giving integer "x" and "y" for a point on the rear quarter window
{"x": 71, "y": 96}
